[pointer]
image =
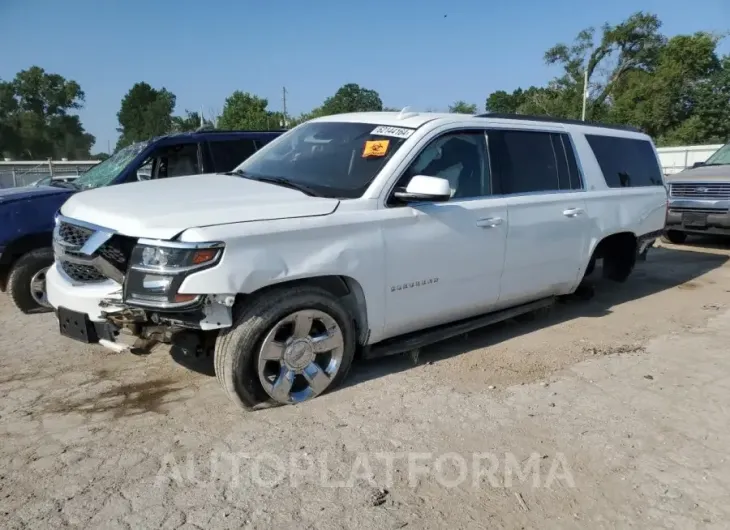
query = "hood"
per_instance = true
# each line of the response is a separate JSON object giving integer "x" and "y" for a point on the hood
{"x": 22, "y": 193}
{"x": 161, "y": 209}
{"x": 702, "y": 174}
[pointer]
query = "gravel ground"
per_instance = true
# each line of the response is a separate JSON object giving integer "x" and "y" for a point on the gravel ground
{"x": 603, "y": 414}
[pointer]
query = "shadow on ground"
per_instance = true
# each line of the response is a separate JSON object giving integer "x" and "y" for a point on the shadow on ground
{"x": 664, "y": 268}
{"x": 708, "y": 242}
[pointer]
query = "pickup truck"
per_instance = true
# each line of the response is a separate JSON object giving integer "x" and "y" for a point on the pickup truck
{"x": 699, "y": 199}
{"x": 26, "y": 214}
{"x": 365, "y": 233}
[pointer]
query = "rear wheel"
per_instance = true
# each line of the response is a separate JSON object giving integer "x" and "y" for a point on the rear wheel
{"x": 285, "y": 347}
{"x": 675, "y": 236}
{"x": 619, "y": 257}
{"x": 27, "y": 281}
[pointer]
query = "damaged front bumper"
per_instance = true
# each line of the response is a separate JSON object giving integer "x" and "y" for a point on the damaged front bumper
{"x": 96, "y": 313}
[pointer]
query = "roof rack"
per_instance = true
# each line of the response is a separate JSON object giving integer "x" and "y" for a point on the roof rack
{"x": 567, "y": 121}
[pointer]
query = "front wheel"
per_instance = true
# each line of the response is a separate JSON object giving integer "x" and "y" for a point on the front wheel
{"x": 287, "y": 346}
{"x": 27, "y": 281}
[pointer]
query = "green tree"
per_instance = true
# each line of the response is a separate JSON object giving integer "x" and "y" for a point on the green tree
{"x": 145, "y": 112}
{"x": 462, "y": 107}
{"x": 677, "y": 99}
{"x": 246, "y": 111}
{"x": 504, "y": 103}
{"x": 626, "y": 47}
{"x": 36, "y": 119}
{"x": 350, "y": 98}
{"x": 101, "y": 156}
{"x": 191, "y": 121}
{"x": 675, "y": 89}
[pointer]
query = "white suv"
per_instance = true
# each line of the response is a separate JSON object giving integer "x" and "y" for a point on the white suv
{"x": 373, "y": 233}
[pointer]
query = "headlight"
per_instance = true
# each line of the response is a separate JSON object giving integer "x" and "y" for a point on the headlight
{"x": 156, "y": 271}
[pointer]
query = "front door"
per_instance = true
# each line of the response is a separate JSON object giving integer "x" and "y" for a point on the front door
{"x": 444, "y": 260}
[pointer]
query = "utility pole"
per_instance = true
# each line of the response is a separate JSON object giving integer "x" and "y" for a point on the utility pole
{"x": 585, "y": 94}
{"x": 202, "y": 121}
{"x": 285, "y": 120}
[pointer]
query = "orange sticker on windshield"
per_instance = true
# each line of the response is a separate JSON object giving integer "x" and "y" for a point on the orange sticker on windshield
{"x": 375, "y": 148}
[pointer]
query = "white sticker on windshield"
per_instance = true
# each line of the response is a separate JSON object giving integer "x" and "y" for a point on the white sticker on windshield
{"x": 396, "y": 132}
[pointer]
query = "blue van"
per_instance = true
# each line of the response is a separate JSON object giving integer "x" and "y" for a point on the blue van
{"x": 26, "y": 214}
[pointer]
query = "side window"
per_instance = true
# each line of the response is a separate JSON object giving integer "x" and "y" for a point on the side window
{"x": 176, "y": 161}
{"x": 525, "y": 161}
{"x": 145, "y": 170}
{"x": 228, "y": 154}
{"x": 459, "y": 157}
{"x": 626, "y": 162}
{"x": 561, "y": 161}
{"x": 576, "y": 180}
{"x": 262, "y": 142}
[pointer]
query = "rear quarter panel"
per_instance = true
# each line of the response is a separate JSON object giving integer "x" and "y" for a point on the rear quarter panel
{"x": 639, "y": 210}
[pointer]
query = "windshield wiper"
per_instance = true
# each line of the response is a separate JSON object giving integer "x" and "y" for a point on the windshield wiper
{"x": 280, "y": 181}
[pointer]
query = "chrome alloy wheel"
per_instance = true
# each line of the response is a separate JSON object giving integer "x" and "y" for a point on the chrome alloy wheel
{"x": 38, "y": 288}
{"x": 300, "y": 356}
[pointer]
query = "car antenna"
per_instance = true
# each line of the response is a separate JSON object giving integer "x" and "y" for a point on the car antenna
{"x": 406, "y": 113}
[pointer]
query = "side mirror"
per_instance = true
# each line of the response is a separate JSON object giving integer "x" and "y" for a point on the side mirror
{"x": 425, "y": 189}
{"x": 697, "y": 164}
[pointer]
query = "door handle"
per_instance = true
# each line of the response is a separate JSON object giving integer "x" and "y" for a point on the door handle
{"x": 572, "y": 212}
{"x": 489, "y": 222}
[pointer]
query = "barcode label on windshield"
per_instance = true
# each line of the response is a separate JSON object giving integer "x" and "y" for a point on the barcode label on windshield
{"x": 396, "y": 132}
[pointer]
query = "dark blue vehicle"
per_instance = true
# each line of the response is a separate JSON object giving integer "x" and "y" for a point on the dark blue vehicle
{"x": 26, "y": 214}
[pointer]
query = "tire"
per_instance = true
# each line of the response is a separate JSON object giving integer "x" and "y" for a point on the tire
{"x": 591, "y": 267}
{"x": 675, "y": 236}
{"x": 23, "y": 272}
{"x": 238, "y": 350}
{"x": 619, "y": 258}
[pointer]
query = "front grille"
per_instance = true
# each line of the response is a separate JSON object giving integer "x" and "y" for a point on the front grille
{"x": 73, "y": 235}
{"x": 714, "y": 190}
{"x": 82, "y": 273}
{"x": 116, "y": 251}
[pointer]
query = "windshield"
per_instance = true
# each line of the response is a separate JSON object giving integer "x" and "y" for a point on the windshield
{"x": 721, "y": 157}
{"x": 332, "y": 159}
{"x": 104, "y": 173}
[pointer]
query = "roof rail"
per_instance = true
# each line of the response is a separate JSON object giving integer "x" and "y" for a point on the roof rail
{"x": 567, "y": 121}
{"x": 213, "y": 130}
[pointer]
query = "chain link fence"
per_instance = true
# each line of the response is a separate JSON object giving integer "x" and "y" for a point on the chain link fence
{"x": 25, "y": 173}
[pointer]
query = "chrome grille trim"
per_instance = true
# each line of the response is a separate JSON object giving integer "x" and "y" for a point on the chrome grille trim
{"x": 87, "y": 253}
{"x": 700, "y": 190}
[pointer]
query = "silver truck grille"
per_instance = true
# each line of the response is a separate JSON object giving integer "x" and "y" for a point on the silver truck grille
{"x": 107, "y": 261}
{"x": 714, "y": 190}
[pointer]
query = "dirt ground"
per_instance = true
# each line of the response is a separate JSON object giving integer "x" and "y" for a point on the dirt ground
{"x": 606, "y": 413}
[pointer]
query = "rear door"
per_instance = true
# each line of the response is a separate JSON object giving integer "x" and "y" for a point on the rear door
{"x": 549, "y": 231}
{"x": 227, "y": 154}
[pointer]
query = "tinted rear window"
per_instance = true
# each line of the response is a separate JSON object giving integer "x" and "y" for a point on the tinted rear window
{"x": 626, "y": 162}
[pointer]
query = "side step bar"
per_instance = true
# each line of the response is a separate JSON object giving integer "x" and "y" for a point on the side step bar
{"x": 420, "y": 339}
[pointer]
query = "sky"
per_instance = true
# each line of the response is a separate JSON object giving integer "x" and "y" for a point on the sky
{"x": 419, "y": 53}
